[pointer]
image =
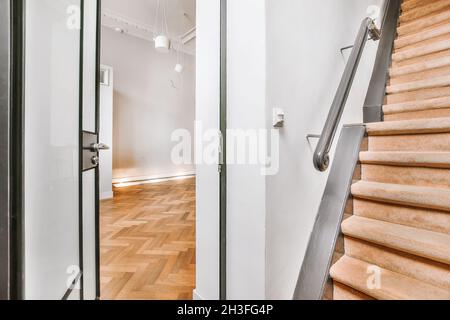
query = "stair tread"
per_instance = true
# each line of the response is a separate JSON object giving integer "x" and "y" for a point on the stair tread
{"x": 429, "y": 83}
{"x": 422, "y": 197}
{"x": 424, "y": 22}
{"x": 424, "y": 10}
{"x": 425, "y": 34}
{"x": 426, "y": 159}
{"x": 423, "y": 243}
{"x": 394, "y": 286}
{"x": 421, "y": 66}
{"x": 421, "y": 126}
{"x": 432, "y": 272}
{"x": 421, "y": 50}
{"x": 420, "y": 105}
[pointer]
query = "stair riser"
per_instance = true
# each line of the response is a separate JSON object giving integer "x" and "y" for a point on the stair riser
{"x": 428, "y": 34}
{"x": 419, "y": 85}
{"x": 413, "y": 176}
{"x": 421, "y": 49}
{"x": 427, "y": 219}
{"x": 430, "y": 58}
{"x": 418, "y": 197}
{"x": 417, "y": 13}
{"x": 408, "y": 5}
{"x": 402, "y": 72}
{"x": 411, "y": 266}
{"x": 420, "y": 24}
{"x": 418, "y": 95}
{"x": 419, "y": 143}
{"x": 426, "y": 114}
{"x": 418, "y": 76}
{"x": 414, "y": 106}
{"x": 344, "y": 293}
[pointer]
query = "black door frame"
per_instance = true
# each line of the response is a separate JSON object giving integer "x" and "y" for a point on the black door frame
{"x": 223, "y": 165}
{"x": 5, "y": 106}
{"x": 11, "y": 151}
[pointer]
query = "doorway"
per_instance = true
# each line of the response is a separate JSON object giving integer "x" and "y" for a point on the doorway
{"x": 147, "y": 186}
{"x": 50, "y": 153}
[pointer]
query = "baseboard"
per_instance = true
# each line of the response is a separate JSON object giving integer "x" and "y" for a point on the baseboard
{"x": 196, "y": 296}
{"x": 107, "y": 195}
{"x": 154, "y": 177}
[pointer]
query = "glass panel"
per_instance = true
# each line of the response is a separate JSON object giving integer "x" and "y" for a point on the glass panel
{"x": 89, "y": 124}
{"x": 89, "y": 65}
{"x": 52, "y": 148}
{"x": 89, "y": 274}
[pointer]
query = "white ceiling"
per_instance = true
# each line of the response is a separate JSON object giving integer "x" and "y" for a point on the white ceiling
{"x": 128, "y": 14}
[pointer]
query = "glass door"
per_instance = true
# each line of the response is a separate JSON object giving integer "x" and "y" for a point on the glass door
{"x": 60, "y": 229}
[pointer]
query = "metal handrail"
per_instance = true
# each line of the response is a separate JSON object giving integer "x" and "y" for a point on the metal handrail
{"x": 321, "y": 155}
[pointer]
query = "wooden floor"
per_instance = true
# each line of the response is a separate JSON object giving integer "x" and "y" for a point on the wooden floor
{"x": 148, "y": 242}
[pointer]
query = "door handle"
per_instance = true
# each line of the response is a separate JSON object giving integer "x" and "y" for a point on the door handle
{"x": 96, "y": 147}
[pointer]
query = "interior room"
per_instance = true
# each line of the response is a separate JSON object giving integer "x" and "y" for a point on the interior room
{"x": 147, "y": 208}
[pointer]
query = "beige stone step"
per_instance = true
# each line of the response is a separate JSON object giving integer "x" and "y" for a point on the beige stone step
{"x": 424, "y": 10}
{"x": 419, "y": 76}
{"x": 412, "y": 4}
{"x": 422, "y": 197}
{"x": 426, "y": 58}
{"x": 425, "y": 114}
{"x": 421, "y": 49}
{"x": 421, "y": 126}
{"x": 426, "y": 34}
{"x": 423, "y": 218}
{"x": 424, "y": 94}
{"x": 421, "y": 105}
{"x": 424, "y": 22}
{"x": 420, "y": 67}
{"x": 393, "y": 286}
{"x": 423, "y": 243}
{"x": 406, "y": 175}
{"x": 343, "y": 293}
{"x": 434, "y": 273}
{"x": 426, "y": 83}
{"x": 407, "y": 159}
{"x": 412, "y": 142}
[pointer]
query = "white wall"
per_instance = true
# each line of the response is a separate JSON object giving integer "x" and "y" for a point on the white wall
{"x": 207, "y": 112}
{"x": 304, "y": 66}
{"x": 106, "y": 135}
{"x": 246, "y": 186}
{"x": 147, "y": 108}
{"x": 285, "y": 54}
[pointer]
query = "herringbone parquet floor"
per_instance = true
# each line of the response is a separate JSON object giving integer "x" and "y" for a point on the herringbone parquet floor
{"x": 148, "y": 242}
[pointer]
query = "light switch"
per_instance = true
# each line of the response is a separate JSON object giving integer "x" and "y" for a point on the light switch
{"x": 278, "y": 118}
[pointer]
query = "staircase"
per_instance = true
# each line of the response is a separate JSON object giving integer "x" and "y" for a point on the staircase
{"x": 397, "y": 231}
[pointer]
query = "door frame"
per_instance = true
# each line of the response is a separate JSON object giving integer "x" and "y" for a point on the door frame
{"x": 5, "y": 107}
{"x": 223, "y": 164}
{"x": 11, "y": 147}
{"x": 12, "y": 56}
{"x": 97, "y": 126}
